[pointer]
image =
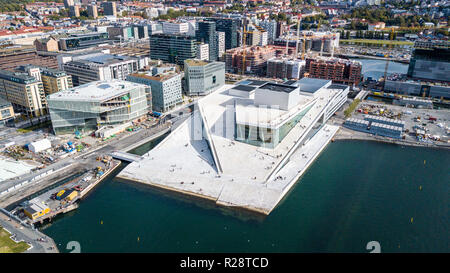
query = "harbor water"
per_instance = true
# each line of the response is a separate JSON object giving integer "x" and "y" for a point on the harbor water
{"x": 355, "y": 192}
{"x": 375, "y": 68}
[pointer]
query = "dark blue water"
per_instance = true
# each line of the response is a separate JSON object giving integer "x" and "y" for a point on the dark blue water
{"x": 354, "y": 193}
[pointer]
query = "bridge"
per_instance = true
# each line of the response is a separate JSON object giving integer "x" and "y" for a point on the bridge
{"x": 125, "y": 156}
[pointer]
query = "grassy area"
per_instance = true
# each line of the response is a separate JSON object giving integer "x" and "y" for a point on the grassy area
{"x": 379, "y": 42}
{"x": 348, "y": 112}
{"x": 7, "y": 245}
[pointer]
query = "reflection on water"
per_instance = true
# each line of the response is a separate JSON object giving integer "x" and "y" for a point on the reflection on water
{"x": 375, "y": 68}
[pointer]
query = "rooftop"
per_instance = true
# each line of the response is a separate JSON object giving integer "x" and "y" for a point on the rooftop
{"x": 159, "y": 77}
{"x": 311, "y": 85}
{"x": 94, "y": 91}
{"x": 196, "y": 62}
{"x": 278, "y": 87}
{"x": 101, "y": 58}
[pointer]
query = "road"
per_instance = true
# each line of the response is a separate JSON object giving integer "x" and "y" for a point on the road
{"x": 40, "y": 242}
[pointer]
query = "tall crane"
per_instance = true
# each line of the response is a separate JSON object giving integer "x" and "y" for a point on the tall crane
{"x": 244, "y": 42}
{"x": 299, "y": 20}
{"x": 387, "y": 61}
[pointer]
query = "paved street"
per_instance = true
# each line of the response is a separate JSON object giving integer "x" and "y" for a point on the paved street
{"x": 40, "y": 242}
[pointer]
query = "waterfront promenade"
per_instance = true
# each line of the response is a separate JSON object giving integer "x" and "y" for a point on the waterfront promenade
{"x": 40, "y": 243}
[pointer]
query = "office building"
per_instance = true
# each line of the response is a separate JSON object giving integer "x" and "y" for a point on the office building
{"x": 53, "y": 80}
{"x": 85, "y": 68}
{"x": 25, "y": 92}
{"x": 68, "y": 3}
{"x": 206, "y": 33}
{"x": 271, "y": 27}
{"x": 92, "y": 11}
{"x": 172, "y": 48}
{"x": 220, "y": 44}
{"x": 430, "y": 61}
{"x": 109, "y": 8}
{"x": 155, "y": 28}
{"x": 203, "y": 52}
{"x": 175, "y": 27}
{"x": 230, "y": 27}
{"x": 81, "y": 41}
{"x": 74, "y": 11}
{"x": 165, "y": 88}
{"x": 203, "y": 77}
{"x": 91, "y": 106}
{"x": 123, "y": 33}
{"x": 6, "y": 111}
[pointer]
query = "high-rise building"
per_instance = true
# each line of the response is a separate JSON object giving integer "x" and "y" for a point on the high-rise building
{"x": 271, "y": 27}
{"x": 109, "y": 8}
{"x": 25, "y": 92}
{"x": 430, "y": 61}
{"x": 92, "y": 11}
{"x": 68, "y": 3}
{"x": 203, "y": 77}
{"x": 172, "y": 48}
{"x": 74, "y": 11}
{"x": 206, "y": 33}
{"x": 230, "y": 26}
{"x": 96, "y": 104}
{"x": 202, "y": 52}
{"x": 166, "y": 88}
{"x": 220, "y": 44}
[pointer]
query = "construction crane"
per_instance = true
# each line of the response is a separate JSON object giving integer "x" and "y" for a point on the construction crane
{"x": 244, "y": 42}
{"x": 303, "y": 46}
{"x": 387, "y": 61}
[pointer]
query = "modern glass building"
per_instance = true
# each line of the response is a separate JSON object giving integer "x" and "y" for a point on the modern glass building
{"x": 203, "y": 77}
{"x": 91, "y": 106}
{"x": 230, "y": 26}
{"x": 165, "y": 88}
{"x": 80, "y": 41}
{"x": 268, "y": 137}
{"x": 206, "y": 33}
{"x": 430, "y": 61}
{"x": 172, "y": 48}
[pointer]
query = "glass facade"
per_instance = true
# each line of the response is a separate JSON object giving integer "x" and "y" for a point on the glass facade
{"x": 267, "y": 137}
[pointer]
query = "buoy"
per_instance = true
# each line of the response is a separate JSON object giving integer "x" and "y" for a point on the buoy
{"x": 412, "y": 219}
{"x": 138, "y": 239}
{"x": 424, "y": 162}
{"x": 101, "y": 222}
{"x": 420, "y": 187}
